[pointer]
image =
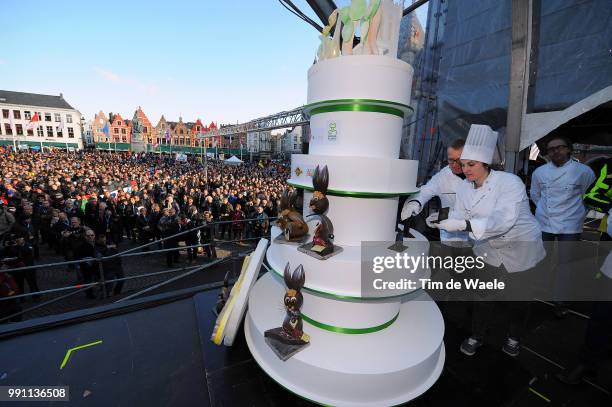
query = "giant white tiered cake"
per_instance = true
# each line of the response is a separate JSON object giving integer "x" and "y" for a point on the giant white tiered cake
{"x": 363, "y": 351}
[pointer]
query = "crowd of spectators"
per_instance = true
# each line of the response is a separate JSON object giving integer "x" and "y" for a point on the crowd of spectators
{"x": 83, "y": 204}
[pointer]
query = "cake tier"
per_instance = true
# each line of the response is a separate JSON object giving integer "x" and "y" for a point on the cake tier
{"x": 357, "y": 220}
{"x": 357, "y": 134}
{"x": 348, "y": 314}
{"x": 374, "y": 78}
{"x": 383, "y": 368}
{"x": 357, "y": 176}
{"x": 340, "y": 275}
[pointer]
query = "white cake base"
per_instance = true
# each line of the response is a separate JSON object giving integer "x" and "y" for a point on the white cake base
{"x": 384, "y": 368}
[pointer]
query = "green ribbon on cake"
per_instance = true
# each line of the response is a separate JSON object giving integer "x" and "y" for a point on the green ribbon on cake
{"x": 351, "y": 331}
{"x": 355, "y": 194}
{"x": 358, "y": 105}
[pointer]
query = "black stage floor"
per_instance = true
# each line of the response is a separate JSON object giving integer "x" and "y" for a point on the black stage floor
{"x": 162, "y": 356}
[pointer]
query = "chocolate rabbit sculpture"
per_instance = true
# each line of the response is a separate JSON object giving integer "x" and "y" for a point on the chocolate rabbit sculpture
{"x": 319, "y": 204}
{"x": 290, "y": 220}
{"x": 324, "y": 232}
{"x": 292, "y": 325}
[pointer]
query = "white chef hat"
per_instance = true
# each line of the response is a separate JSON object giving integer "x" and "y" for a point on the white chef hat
{"x": 480, "y": 144}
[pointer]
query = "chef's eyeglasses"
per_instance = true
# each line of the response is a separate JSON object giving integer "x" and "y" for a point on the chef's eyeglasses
{"x": 456, "y": 162}
{"x": 556, "y": 148}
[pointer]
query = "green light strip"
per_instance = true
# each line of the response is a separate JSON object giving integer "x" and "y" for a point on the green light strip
{"x": 355, "y": 194}
{"x": 357, "y": 107}
{"x": 351, "y": 331}
{"x": 539, "y": 395}
{"x": 75, "y": 349}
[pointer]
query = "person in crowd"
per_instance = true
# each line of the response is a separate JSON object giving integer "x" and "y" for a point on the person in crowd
{"x": 21, "y": 254}
{"x": 225, "y": 215}
{"x": 238, "y": 217}
{"x": 6, "y": 220}
{"x": 262, "y": 224}
{"x": 146, "y": 226}
{"x": 169, "y": 226}
{"x": 89, "y": 271}
{"x": 9, "y": 288}
{"x": 557, "y": 188}
{"x": 492, "y": 206}
{"x": 112, "y": 268}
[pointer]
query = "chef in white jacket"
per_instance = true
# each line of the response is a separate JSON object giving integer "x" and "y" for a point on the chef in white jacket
{"x": 493, "y": 207}
{"x": 443, "y": 185}
{"x": 557, "y": 188}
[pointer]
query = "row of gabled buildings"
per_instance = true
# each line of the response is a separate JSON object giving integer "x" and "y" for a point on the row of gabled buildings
{"x": 113, "y": 128}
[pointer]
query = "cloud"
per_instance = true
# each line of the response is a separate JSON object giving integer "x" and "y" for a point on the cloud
{"x": 128, "y": 82}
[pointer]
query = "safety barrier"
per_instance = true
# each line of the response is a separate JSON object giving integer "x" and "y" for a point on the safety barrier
{"x": 132, "y": 252}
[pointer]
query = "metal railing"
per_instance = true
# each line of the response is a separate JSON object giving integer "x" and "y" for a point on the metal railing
{"x": 132, "y": 252}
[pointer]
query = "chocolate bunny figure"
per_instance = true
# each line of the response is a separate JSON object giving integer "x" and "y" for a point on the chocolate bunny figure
{"x": 290, "y": 220}
{"x": 324, "y": 233}
{"x": 290, "y": 337}
{"x": 319, "y": 202}
{"x": 293, "y": 300}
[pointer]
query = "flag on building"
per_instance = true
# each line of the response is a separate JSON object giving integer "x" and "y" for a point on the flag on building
{"x": 33, "y": 122}
{"x": 12, "y": 122}
{"x": 106, "y": 130}
{"x": 168, "y": 134}
{"x": 60, "y": 125}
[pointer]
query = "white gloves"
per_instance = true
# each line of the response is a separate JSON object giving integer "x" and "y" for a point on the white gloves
{"x": 410, "y": 208}
{"x": 432, "y": 220}
{"x": 451, "y": 225}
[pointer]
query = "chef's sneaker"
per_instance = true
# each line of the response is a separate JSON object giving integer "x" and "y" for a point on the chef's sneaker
{"x": 512, "y": 347}
{"x": 470, "y": 345}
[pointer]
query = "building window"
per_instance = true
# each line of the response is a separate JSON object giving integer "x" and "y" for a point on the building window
{"x": 58, "y": 117}
{"x": 30, "y": 132}
{"x": 5, "y": 113}
{"x": 49, "y": 130}
{"x": 144, "y": 129}
{"x": 27, "y": 115}
{"x": 39, "y": 131}
{"x": 122, "y": 131}
{"x": 47, "y": 117}
{"x": 19, "y": 129}
{"x": 124, "y": 139}
{"x": 7, "y": 129}
{"x": 116, "y": 130}
{"x": 118, "y": 122}
{"x": 17, "y": 114}
{"x": 70, "y": 132}
{"x": 60, "y": 132}
{"x": 68, "y": 118}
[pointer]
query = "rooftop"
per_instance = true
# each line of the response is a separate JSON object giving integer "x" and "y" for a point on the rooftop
{"x": 33, "y": 99}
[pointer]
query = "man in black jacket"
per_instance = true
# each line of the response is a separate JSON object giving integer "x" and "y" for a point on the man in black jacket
{"x": 89, "y": 269}
{"x": 112, "y": 268}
